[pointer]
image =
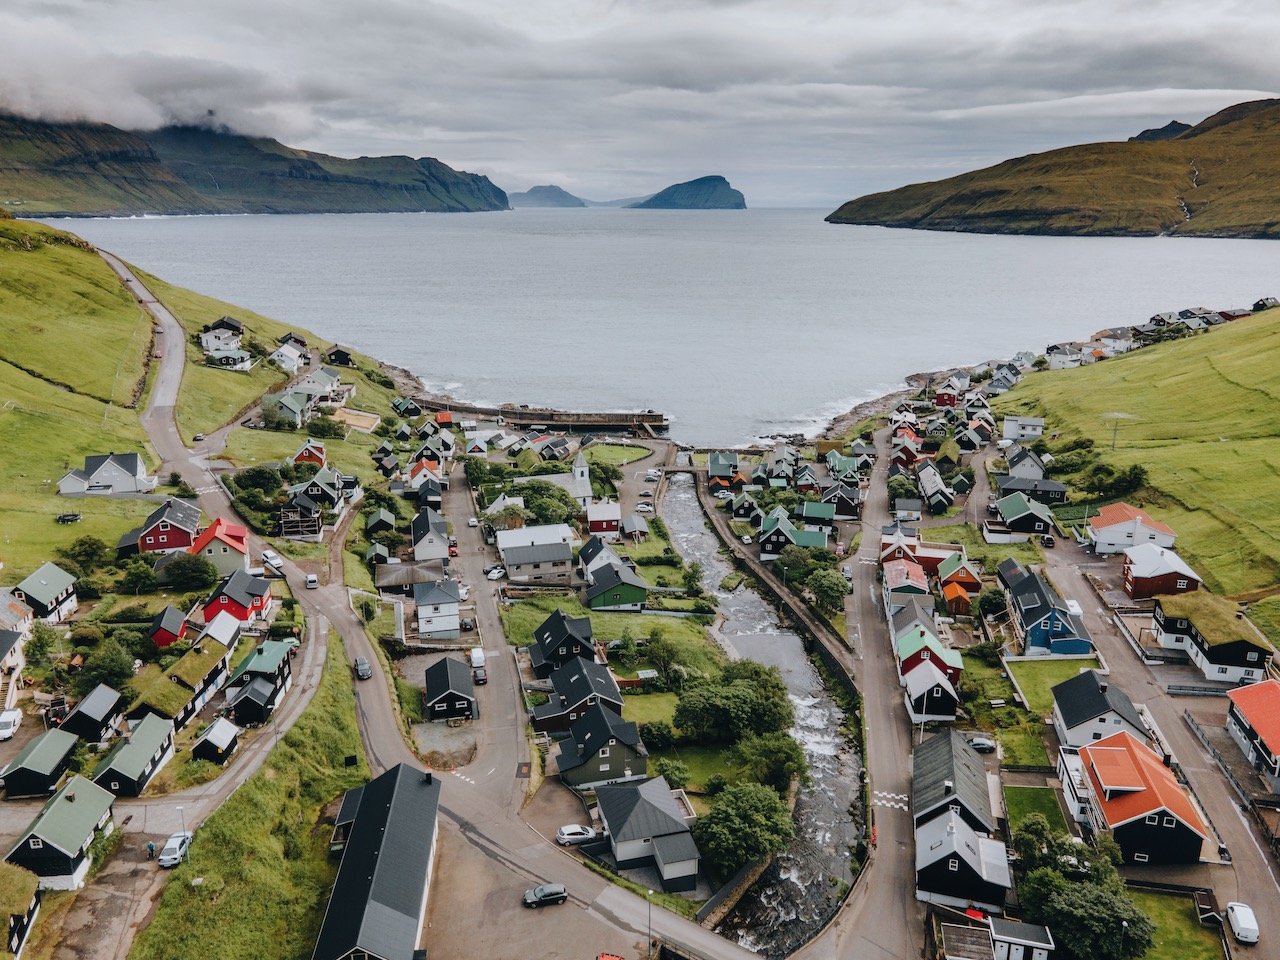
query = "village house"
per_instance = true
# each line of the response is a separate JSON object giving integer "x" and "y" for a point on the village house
{"x": 916, "y": 645}
{"x": 312, "y": 451}
{"x": 1024, "y": 462}
{"x": 777, "y": 532}
{"x": 174, "y": 525}
{"x": 449, "y": 692}
{"x": 289, "y": 358}
{"x": 49, "y": 593}
{"x": 19, "y": 907}
{"x": 1045, "y": 624}
{"x": 816, "y": 517}
{"x": 558, "y": 640}
{"x": 1120, "y": 786}
{"x": 217, "y": 742}
{"x": 575, "y": 687}
{"x": 387, "y": 839}
{"x": 1088, "y": 707}
{"x": 1214, "y": 633}
{"x": 106, "y": 474}
{"x": 40, "y": 765}
{"x": 1020, "y": 429}
{"x": 898, "y": 542}
{"x": 903, "y": 579}
{"x": 601, "y": 748}
{"x": 99, "y": 717}
{"x": 604, "y": 518}
{"x": 1046, "y": 491}
{"x": 545, "y": 563}
{"x": 220, "y": 340}
{"x": 948, "y": 775}
{"x": 1120, "y": 525}
{"x": 635, "y": 528}
{"x": 1253, "y": 720}
{"x": 648, "y": 823}
{"x": 744, "y": 508}
{"x": 436, "y": 608}
{"x": 179, "y": 692}
{"x": 956, "y": 867}
{"x": 244, "y": 596}
{"x": 930, "y": 696}
{"x": 908, "y": 509}
{"x": 168, "y": 627}
{"x": 845, "y": 500}
{"x": 429, "y": 534}
{"x": 240, "y": 361}
{"x": 577, "y": 482}
{"x": 1015, "y": 940}
{"x": 1150, "y": 570}
{"x": 127, "y": 768}
{"x": 595, "y": 555}
{"x": 1017, "y": 520}
{"x": 224, "y": 544}
{"x": 959, "y": 570}
{"x": 260, "y": 682}
{"x": 934, "y": 491}
{"x": 616, "y": 587}
{"x": 56, "y": 844}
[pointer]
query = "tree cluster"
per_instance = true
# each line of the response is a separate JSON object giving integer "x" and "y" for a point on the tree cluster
{"x": 747, "y": 822}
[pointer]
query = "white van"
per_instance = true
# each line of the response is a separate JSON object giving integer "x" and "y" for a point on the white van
{"x": 1243, "y": 923}
{"x": 477, "y": 657}
{"x": 313, "y": 582}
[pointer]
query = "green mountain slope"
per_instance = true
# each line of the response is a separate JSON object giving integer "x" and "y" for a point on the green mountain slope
{"x": 95, "y": 169}
{"x": 1202, "y": 415}
{"x": 1216, "y": 179}
{"x": 705, "y": 193}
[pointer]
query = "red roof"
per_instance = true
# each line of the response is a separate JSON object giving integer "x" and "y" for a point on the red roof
{"x": 900, "y": 573}
{"x": 444, "y": 416}
{"x": 1138, "y": 782}
{"x": 232, "y": 534}
{"x": 954, "y": 591}
{"x": 1259, "y": 703}
{"x": 1115, "y": 513}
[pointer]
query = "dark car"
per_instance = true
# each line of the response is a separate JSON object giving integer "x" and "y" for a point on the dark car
{"x": 362, "y": 668}
{"x": 68, "y": 518}
{"x": 479, "y": 676}
{"x": 545, "y": 894}
{"x": 468, "y": 623}
{"x": 983, "y": 744}
{"x": 1048, "y": 541}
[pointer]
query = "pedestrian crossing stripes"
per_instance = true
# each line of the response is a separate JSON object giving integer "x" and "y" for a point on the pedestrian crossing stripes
{"x": 897, "y": 801}
{"x": 461, "y": 777}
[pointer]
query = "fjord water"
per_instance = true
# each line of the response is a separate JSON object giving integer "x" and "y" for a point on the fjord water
{"x": 737, "y": 324}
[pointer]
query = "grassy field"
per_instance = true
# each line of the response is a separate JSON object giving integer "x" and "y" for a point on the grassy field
{"x": 1266, "y": 616}
{"x": 703, "y": 762}
{"x": 617, "y": 454}
{"x": 1016, "y": 729}
{"x": 987, "y": 554}
{"x": 1202, "y": 415}
{"x": 54, "y": 290}
{"x": 1179, "y": 935}
{"x": 1021, "y": 802}
{"x": 653, "y": 547}
{"x": 648, "y": 707}
{"x": 696, "y": 651}
{"x": 1038, "y": 677}
{"x": 263, "y": 855}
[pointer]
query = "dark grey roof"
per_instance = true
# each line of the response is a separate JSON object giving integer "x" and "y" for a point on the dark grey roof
{"x": 1011, "y": 572}
{"x": 537, "y": 553}
{"x": 1017, "y": 453}
{"x": 578, "y": 679}
{"x": 402, "y": 574}
{"x": 101, "y": 703}
{"x": 591, "y": 549}
{"x": 220, "y": 733}
{"x": 259, "y": 690}
{"x": 436, "y": 592}
{"x": 634, "y": 811}
{"x": 428, "y": 521}
{"x": 179, "y": 513}
{"x": 611, "y": 575}
{"x": 243, "y": 588}
{"x": 674, "y": 847}
{"x": 908, "y": 503}
{"x": 946, "y": 758}
{"x": 837, "y": 490}
{"x": 634, "y": 524}
{"x": 595, "y": 729}
{"x": 129, "y": 462}
{"x": 949, "y": 836}
{"x": 170, "y": 618}
{"x": 349, "y": 807}
{"x": 379, "y": 896}
{"x": 1010, "y": 484}
{"x": 1082, "y": 698}
{"x": 8, "y": 640}
{"x": 914, "y": 609}
{"x": 558, "y": 628}
{"x": 449, "y": 675}
{"x": 1021, "y": 932}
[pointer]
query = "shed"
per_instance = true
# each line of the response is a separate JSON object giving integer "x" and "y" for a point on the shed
{"x": 217, "y": 742}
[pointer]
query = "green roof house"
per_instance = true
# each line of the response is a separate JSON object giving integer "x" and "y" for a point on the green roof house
{"x": 616, "y": 587}
{"x": 55, "y": 847}
{"x": 36, "y": 770}
{"x": 129, "y": 765}
{"x": 19, "y": 902}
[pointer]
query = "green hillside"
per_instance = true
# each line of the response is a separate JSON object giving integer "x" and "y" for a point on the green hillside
{"x": 1202, "y": 415}
{"x": 96, "y": 169}
{"x": 1216, "y": 179}
{"x": 66, "y": 321}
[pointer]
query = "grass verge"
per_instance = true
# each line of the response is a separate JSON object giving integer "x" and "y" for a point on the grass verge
{"x": 1179, "y": 935}
{"x": 1021, "y": 802}
{"x": 1037, "y": 678}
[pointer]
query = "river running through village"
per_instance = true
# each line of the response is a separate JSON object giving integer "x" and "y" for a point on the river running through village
{"x": 804, "y": 885}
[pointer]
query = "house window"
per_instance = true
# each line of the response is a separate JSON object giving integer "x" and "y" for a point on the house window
{"x": 1252, "y": 657}
{"x": 953, "y": 864}
{"x": 937, "y": 691}
{"x": 164, "y": 524}
{"x": 1170, "y": 822}
{"x": 1182, "y": 584}
{"x": 37, "y": 843}
{"x": 115, "y": 784}
{"x": 925, "y": 654}
{"x": 604, "y": 752}
{"x": 573, "y": 716}
{"x": 1140, "y": 858}
{"x": 1222, "y": 669}
{"x": 441, "y": 706}
{"x": 604, "y": 768}
{"x": 150, "y": 540}
{"x": 222, "y": 599}
{"x": 1153, "y": 819}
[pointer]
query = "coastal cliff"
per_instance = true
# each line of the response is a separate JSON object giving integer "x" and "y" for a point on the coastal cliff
{"x": 1216, "y": 179}
{"x": 705, "y": 193}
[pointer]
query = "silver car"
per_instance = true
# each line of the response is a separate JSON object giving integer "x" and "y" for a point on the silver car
{"x": 175, "y": 849}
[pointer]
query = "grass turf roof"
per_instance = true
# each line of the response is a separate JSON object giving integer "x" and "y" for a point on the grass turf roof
{"x": 157, "y": 691}
{"x": 17, "y": 887}
{"x": 1214, "y": 617}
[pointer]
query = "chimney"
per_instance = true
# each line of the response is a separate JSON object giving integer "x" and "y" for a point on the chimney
{"x": 262, "y": 649}
{"x": 71, "y": 796}
{"x": 426, "y": 776}
{"x": 948, "y": 786}
{"x": 1102, "y": 685}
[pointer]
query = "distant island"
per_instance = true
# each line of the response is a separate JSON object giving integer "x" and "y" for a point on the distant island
{"x": 94, "y": 169}
{"x": 705, "y": 193}
{"x": 1215, "y": 179}
{"x": 545, "y": 196}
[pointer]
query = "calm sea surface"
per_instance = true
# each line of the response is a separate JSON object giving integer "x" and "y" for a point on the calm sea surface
{"x": 737, "y": 324}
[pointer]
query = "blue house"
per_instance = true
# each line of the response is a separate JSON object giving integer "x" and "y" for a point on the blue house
{"x": 1048, "y": 625}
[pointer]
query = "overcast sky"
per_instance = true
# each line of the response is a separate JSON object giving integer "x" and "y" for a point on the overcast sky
{"x": 797, "y": 102}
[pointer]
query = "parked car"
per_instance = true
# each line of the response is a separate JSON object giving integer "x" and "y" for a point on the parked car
{"x": 453, "y": 551}
{"x": 468, "y": 623}
{"x": 175, "y": 849}
{"x": 651, "y": 478}
{"x": 644, "y": 508}
{"x": 479, "y": 676}
{"x": 313, "y": 582}
{"x": 847, "y": 572}
{"x": 723, "y": 495}
{"x": 10, "y": 721}
{"x": 1244, "y": 925}
{"x": 453, "y": 541}
{"x": 746, "y": 539}
{"x": 472, "y": 522}
{"x": 572, "y": 834}
{"x": 646, "y": 493}
{"x": 497, "y": 573}
{"x": 545, "y": 894}
{"x": 198, "y": 437}
{"x": 362, "y": 668}
{"x": 983, "y": 744}
{"x": 1048, "y": 541}
{"x": 271, "y": 558}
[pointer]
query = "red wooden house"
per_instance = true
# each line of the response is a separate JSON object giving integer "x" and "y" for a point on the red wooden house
{"x": 172, "y": 526}
{"x": 168, "y": 627}
{"x": 311, "y": 452}
{"x": 1151, "y": 570}
{"x": 244, "y": 596}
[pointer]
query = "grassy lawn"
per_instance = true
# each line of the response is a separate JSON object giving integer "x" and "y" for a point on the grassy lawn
{"x": 987, "y": 554}
{"x": 648, "y": 707}
{"x": 1179, "y": 935}
{"x": 248, "y": 447}
{"x": 1202, "y": 418}
{"x": 1038, "y": 677}
{"x": 703, "y": 763}
{"x": 617, "y": 454}
{"x": 696, "y": 650}
{"x": 263, "y": 856}
{"x": 654, "y": 547}
{"x": 1016, "y": 729}
{"x": 1265, "y": 614}
{"x": 1020, "y": 802}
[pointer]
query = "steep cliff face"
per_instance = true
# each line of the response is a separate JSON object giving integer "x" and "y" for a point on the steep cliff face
{"x": 95, "y": 169}
{"x": 545, "y": 196}
{"x": 705, "y": 193}
{"x": 1216, "y": 179}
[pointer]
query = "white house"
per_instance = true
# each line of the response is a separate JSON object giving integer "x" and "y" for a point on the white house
{"x": 536, "y": 536}
{"x": 1120, "y": 525}
{"x": 649, "y": 824}
{"x": 289, "y": 358}
{"x": 106, "y": 474}
{"x": 1087, "y": 707}
{"x": 437, "y": 610}
{"x": 1023, "y": 428}
{"x": 219, "y": 340}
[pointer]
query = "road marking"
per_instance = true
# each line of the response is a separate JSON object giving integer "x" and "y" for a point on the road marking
{"x": 461, "y": 777}
{"x": 490, "y": 773}
{"x": 896, "y": 801}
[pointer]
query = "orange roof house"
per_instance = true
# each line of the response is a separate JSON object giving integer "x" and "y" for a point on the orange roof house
{"x": 1121, "y": 525}
{"x": 1137, "y": 798}
{"x": 225, "y": 545}
{"x": 956, "y": 599}
{"x": 1253, "y": 720}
